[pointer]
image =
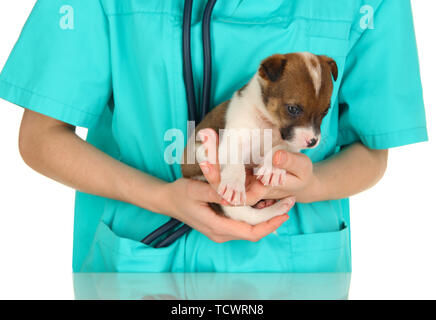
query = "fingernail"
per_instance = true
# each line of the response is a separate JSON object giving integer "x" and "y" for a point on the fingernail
{"x": 205, "y": 167}
{"x": 202, "y": 137}
{"x": 285, "y": 207}
{"x": 280, "y": 157}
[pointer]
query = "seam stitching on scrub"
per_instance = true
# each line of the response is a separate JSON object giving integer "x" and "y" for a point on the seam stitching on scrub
{"x": 143, "y": 12}
{"x": 282, "y": 20}
{"x": 382, "y": 134}
{"x": 230, "y": 20}
{"x": 48, "y": 98}
{"x": 316, "y": 250}
{"x": 357, "y": 30}
{"x": 328, "y": 38}
{"x": 132, "y": 255}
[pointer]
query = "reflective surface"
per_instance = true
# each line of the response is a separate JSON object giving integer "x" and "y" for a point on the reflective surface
{"x": 226, "y": 286}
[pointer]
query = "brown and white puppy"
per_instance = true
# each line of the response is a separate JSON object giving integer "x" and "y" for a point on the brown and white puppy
{"x": 289, "y": 95}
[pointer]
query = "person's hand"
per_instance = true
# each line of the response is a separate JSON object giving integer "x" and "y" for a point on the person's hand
{"x": 300, "y": 181}
{"x": 187, "y": 200}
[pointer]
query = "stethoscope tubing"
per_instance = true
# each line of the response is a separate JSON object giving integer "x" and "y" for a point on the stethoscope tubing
{"x": 173, "y": 223}
{"x": 187, "y": 61}
{"x": 192, "y": 106}
{"x": 207, "y": 57}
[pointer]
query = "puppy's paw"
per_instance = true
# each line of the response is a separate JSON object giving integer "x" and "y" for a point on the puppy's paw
{"x": 232, "y": 186}
{"x": 271, "y": 176}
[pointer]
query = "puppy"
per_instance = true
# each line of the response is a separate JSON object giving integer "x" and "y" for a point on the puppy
{"x": 285, "y": 101}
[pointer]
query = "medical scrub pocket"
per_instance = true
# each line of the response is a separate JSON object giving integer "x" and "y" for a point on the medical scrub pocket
{"x": 114, "y": 251}
{"x": 116, "y": 67}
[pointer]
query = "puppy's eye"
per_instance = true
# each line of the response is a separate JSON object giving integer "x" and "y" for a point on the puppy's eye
{"x": 326, "y": 111}
{"x": 295, "y": 110}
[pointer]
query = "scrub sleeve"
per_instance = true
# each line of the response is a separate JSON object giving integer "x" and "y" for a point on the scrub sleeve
{"x": 66, "y": 74}
{"x": 59, "y": 72}
{"x": 380, "y": 98}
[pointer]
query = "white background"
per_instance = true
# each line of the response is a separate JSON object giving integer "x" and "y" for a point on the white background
{"x": 393, "y": 224}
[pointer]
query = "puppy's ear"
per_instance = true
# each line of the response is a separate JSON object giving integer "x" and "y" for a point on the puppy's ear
{"x": 333, "y": 66}
{"x": 272, "y": 68}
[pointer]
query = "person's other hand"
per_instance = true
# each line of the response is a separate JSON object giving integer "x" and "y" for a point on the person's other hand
{"x": 300, "y": 181}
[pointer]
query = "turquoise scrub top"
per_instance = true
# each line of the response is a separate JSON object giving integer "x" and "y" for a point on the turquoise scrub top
{"x": 115, "y": 67}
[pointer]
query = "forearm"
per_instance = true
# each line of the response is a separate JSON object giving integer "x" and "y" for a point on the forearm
{"x": 351, "y": 171}
{"x": 58, "y": 153}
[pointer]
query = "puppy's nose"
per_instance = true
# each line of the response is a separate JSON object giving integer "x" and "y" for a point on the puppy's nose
{"x": 312, "y": 142}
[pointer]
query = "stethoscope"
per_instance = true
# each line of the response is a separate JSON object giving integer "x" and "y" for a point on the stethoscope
{"x": 173, "y": 224}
